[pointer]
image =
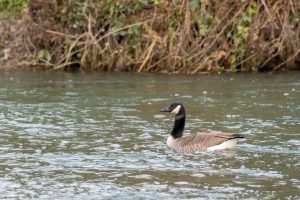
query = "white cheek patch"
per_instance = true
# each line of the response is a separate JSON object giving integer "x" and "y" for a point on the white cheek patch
{"x": 175, "y": 111}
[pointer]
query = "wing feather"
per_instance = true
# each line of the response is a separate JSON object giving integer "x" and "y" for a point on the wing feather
{"x": 201, "y": 141}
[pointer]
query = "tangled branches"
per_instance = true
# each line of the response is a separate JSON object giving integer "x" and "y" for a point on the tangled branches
{"x": 190, "y": 36}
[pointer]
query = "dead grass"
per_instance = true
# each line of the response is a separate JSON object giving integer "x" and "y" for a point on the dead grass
{"x": 173, "y": 37}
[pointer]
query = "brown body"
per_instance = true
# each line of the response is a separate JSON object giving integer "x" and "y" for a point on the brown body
{"x": 203, "y": 141}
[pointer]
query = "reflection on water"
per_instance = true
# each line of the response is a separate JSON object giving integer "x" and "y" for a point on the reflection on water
{"x": 91, "y": 136}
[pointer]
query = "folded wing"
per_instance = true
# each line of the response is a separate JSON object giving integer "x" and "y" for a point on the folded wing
{"x": 202, "y": 141}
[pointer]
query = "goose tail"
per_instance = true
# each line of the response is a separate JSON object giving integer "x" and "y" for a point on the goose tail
{"x": 238, "y": 135}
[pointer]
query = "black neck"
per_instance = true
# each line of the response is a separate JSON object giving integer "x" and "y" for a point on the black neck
{"x": 178, "y": 127}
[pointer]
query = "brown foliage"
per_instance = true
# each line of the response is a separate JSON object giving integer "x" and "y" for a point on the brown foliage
{"x": 172, "y": 37}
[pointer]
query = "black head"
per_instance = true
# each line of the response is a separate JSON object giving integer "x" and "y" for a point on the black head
{"x": 174, "y": 108}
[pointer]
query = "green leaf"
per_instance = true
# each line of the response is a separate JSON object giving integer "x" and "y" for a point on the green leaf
{"x": 233, "y": 59}
{"x": 2, "y": 46}
{"x": 253, "y": 9}
{"x": 78, "y": 55}
{"x": 158, "y": 2}
{"x": 194, "y": 4}
{"x": 134, "y": 30}
{"x": 208, "y": 18}
{"x": 44, "y": 54}
{"x": 203, "y": 30}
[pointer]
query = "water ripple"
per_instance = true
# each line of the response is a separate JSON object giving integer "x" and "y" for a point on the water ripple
{"x": 81, "y": 136}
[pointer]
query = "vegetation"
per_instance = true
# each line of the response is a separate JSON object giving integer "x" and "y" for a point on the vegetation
{"x": 189, "y": 36}
{"x": 12, "y": 8}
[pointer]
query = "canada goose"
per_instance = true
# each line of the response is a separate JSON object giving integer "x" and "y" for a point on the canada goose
{"x": 210, "y": 140}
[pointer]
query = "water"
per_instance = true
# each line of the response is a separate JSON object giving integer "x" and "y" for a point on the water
{"x": 100, "y": 136}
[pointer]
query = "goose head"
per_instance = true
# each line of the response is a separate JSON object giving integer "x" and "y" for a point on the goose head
{"x": 174, "y": 108}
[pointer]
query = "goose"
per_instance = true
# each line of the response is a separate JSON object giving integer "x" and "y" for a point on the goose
{"x": 210, "y": 140}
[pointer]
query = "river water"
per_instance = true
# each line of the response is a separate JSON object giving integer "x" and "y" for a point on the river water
{"x": 101, "y": 136}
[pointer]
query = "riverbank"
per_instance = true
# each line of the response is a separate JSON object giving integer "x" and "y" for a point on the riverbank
{"x": 187, "y": 37}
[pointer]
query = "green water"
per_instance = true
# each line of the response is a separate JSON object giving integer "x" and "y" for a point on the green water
{"x": 101, "y": 136}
